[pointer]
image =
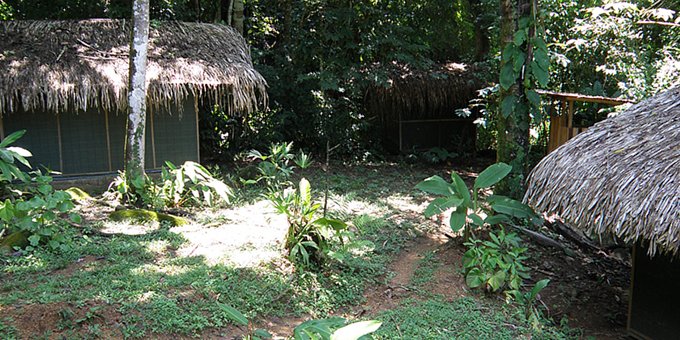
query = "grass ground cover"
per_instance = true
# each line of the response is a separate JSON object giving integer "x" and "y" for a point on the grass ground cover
{"x": 137, "y": 280}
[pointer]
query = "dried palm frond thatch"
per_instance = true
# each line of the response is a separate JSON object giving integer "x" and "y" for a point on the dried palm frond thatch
{"x": 620, "y": 176}
{"x": 414, "y": 94}
{"x": 72, "y": 65}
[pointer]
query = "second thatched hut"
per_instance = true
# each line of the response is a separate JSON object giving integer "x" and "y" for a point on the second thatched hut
{"x": 622, "y": 177}
{"x": 418, "y": 110}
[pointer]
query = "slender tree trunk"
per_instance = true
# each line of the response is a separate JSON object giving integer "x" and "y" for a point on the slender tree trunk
{"x": 218, "y": 11}
{"x": 238, "y": 16}
{"x": 513, "y": 130}
{"x": 287, "y": 21}
{"x": 482, "y": 44}
{"x": 230, "y": 12}
{"x": 136, "y": 123}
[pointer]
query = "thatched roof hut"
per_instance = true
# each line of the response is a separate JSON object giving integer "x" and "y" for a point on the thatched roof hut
{"x": 621, "y": 176}
{"x": 413, "y": 94}
{"x": 65, "y": 82}
{"x": 418, "y": 108}
{"x": 73, "y": 65}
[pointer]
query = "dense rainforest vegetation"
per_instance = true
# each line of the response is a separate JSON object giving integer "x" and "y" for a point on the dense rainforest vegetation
{"x": 320, "y": 56}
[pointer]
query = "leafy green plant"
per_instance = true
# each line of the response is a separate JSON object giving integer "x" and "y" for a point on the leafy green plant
{"x": 308, "y": 237}
{"x": 275, "y": 167}
{"x": 192, "y": 183}
{"x": 9, "y": 156}
{"x": 437, "y": 155}
{"x": 528, "y": 300}
{"x": 189, "y": 184}
{"x": 471, "y": 211}
{"x": 496, "y": 264}
{"x": 139, "y": 191}
{"x": 31, "y": 207}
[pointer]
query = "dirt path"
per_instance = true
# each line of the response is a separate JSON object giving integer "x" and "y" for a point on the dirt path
{"x": 387, "y": 296}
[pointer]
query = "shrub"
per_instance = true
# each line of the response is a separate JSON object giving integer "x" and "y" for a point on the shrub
{"x": 308, "y": 237}
{"x": 31, "y": 208}
{"x": 189, "y": 184}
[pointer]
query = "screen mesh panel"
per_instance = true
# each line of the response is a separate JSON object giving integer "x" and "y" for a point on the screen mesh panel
{"x": 176, "y": 136}
{"x": 83, "y": 140}
{"x": 41, "y": 137}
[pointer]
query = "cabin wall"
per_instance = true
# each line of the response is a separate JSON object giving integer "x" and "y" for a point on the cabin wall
{"x": 453, "y": 134}
{"x": 92, "y": 141}
{"x": 655, "y": 297}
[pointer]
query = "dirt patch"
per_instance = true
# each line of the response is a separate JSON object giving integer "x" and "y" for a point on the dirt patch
{"x": 589, "y": 288}
{"x": 387, "y": 296}
{"x": 448, "y": 280}
{"x": 63, "y": 320}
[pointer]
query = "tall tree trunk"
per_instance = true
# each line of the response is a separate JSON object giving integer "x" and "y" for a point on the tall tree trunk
{"x": 218, "y": 11}
{"x": 482, "y": 43}
{"x": 230, "y": 12}
{"x": 238, "y": 16}
{"x": 136, "y": 122}
{"x": 513, "y": 129}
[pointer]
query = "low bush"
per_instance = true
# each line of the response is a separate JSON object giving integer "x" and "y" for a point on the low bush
{"x": 188, "y": 185}
{"x": 32, "y": 213}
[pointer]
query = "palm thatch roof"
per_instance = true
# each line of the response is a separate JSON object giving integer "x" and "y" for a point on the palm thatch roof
{"x": 414, "y": 94}
{"x": 620, "y": 176}
{"x": 73, "y": 65}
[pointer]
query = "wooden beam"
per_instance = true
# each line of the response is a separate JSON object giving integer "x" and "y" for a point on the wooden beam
{"x": 198, "y": 136}
{"x": 153, "y": 138}
{"x": 61, "y": 153}
{"x": 585, "y": 98}
{"x": 108, "y": 138}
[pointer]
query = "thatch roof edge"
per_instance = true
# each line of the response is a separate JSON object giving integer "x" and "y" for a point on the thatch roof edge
{"x": 75, "y": 65}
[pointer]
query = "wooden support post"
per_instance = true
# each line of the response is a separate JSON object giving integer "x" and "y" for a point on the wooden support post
{"x": 198, "y": 136}
{"x": 570, "y": 120}
{"x": 61, "y": 153}
{"x": 108, "y": 138}
{"x": 153, "y": 138}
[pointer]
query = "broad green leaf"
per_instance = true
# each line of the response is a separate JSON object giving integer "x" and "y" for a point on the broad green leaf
{"x": 542, "y": 60}
{"x": 508, "y": 76}
{"x": 12, "y": 138}
{"x": 34, "y": 239}
{"x": 356, "y": 330}
{"x": 511, "y": 207}
{"x": 538, "y": 287}
{"x": 473, "y": 278}
{"x": 492, "y": 175}
{"x": 496, "y": 219}
{"x": 497, "y": 280}
{"x": 435, "y": 185}
{"x": 533, "y": 97}
{"x": 518, "y": 62}
{"x": 458, "y": 219}
{"x": 262, "y": 334}
{"x": 476, "y": 220}
{"x": 508, "y": 105}
{"x": 541, "y": 75}
{"x": 509, "y": 52}
{"x": 439, "y": 205}
{"x": 234, "y": 315}
{"x": 461, "y": 188}
{"x": 519, "y": 38}
{"x": 336, "y": 225}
